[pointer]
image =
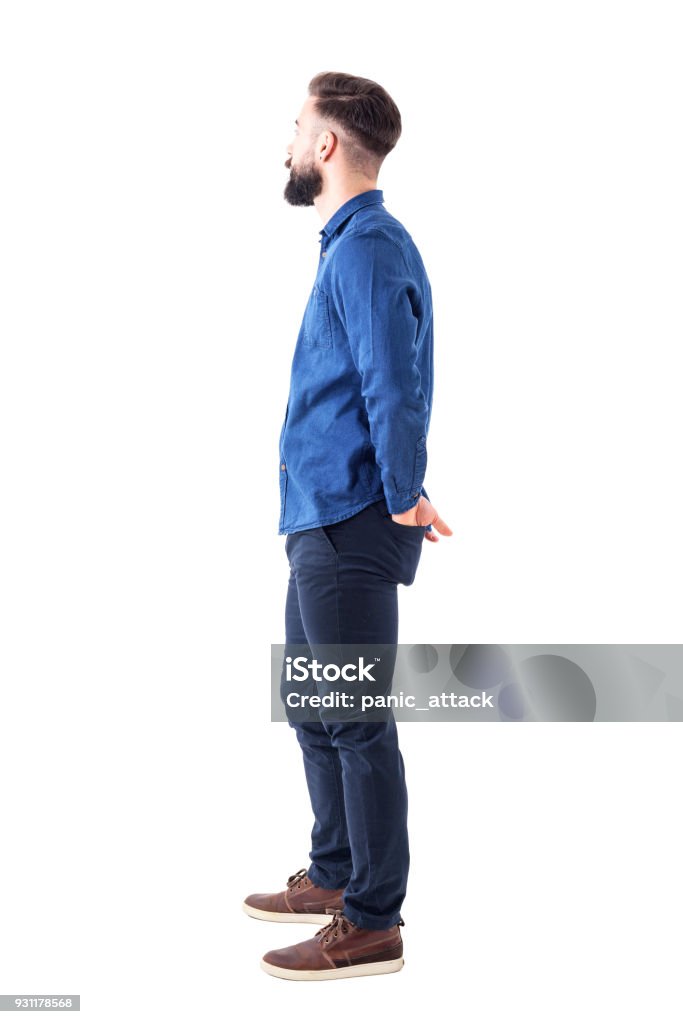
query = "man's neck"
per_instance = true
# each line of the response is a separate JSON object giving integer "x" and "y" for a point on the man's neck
{"x": 330, "y": 199}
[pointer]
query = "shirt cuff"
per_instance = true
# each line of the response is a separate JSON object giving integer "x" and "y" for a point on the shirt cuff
{"x": 397, "y": 505}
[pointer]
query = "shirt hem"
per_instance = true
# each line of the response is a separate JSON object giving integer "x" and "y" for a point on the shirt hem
{"x": 327, "y": 521}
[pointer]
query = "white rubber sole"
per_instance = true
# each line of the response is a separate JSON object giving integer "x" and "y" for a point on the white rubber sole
{"x": 271, "y": 915}
{"x": 357, "y": 971}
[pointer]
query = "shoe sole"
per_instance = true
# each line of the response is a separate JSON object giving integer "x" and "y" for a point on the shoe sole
{"x": 356, "y": 971}
{"x": 272, "y": 915}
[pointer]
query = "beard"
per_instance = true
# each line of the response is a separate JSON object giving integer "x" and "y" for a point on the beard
{"x": 305, "y": 183}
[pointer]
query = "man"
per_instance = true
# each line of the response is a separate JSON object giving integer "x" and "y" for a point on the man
{"x": 354, "y": 509}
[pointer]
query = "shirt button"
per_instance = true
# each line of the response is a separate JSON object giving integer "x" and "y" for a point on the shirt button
{"x": 283, "y": 466}
{"x": 324, "y": 254}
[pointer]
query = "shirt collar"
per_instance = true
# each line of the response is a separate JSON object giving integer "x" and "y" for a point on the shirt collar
{"x": 374, "y": 195}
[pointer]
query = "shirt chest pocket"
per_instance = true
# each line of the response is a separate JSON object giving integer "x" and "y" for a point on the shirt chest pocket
{"x": 318, "y": 321}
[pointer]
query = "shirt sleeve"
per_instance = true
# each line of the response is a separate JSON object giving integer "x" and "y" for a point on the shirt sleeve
{"x": 375, "y": 296}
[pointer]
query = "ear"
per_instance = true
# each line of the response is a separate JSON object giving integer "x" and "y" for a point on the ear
{"x": 330, "y": 143}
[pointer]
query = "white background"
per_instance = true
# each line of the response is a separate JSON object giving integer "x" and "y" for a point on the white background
{"x": 153, "y": 282}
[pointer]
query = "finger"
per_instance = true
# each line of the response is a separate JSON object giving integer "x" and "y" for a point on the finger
{"x": 442, "y": 527}
{"x": 432, "y": 537}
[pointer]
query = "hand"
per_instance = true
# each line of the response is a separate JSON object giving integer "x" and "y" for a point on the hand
{"x": 424, "y": 514}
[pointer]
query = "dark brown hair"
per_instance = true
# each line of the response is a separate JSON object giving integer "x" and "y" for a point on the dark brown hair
{"x": 369, "y": 120}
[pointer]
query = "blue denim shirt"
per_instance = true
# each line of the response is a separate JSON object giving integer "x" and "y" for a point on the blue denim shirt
{"x": 360, "y": 396}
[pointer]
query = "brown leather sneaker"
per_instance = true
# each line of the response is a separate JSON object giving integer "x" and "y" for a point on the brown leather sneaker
{"x": 339, "y": 950}
{"x": 301, "y": 902}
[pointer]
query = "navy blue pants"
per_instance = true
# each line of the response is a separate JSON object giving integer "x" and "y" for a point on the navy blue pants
{"x": 343, "y": 590}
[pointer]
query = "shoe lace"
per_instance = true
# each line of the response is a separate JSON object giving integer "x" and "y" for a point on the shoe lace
{"x": 297, "y": 878}
{"x": 338, "y": 924}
